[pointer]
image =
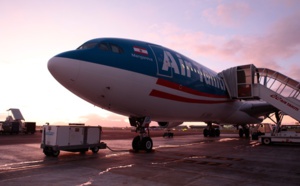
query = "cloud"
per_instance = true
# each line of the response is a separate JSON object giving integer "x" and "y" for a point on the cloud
{"x": 230, "y": 14}
{"x": 270, "y": 49}
{"x": 265, "y": 50}
{"x": 293, "y": 71}
{"x": 280, "y": 43}
{"x": 283, "y": 39}
{"x": 288, "y": 3}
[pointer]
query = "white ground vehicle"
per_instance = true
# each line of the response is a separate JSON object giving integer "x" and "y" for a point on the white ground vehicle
{"x": 71, "y": 138}
{"x": 268, "y": 133}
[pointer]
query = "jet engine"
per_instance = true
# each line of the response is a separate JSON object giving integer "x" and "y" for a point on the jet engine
{"x": 166, "y": 124}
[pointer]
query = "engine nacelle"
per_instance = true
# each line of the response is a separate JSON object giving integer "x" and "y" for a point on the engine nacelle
{"x": 166, "y": 124}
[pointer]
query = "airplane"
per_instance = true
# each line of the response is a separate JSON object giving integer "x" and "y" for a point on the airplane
{"x": 148, "y": 82}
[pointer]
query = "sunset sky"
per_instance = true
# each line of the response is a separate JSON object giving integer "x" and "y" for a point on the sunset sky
{"x": 218, "y": 34}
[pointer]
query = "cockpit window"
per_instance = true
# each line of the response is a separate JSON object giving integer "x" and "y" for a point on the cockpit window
{"x": 103, "y": 46}
{"x": 87, "y": 46}
{"x": 116, "y": 49}
{"x": 110, "y": 47}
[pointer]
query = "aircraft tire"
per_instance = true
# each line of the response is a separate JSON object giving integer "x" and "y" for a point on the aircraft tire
{"x": 212, "y": 133}
{"x": 147, "y": 144}
{"x": 205, "y": 132}
{"x": 247, "y": 133}
{"x": 217, "y": 133}
{"x": 136, "y": 143}
{"x": 241, "y": 133}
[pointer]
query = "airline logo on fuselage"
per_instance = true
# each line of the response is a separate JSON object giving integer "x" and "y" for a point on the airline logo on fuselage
{"x": 169, "y": 63}
{"x": 186, "y": 68}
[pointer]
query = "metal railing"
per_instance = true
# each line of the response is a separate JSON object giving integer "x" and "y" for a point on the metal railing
{"x": 278, "y": 82}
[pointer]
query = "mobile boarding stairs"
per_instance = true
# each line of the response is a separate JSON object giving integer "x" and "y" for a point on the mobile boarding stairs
{"x": 248, "y": 82}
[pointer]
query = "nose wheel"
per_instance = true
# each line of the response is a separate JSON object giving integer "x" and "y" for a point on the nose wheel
{"x": 147, "y": 144}
{"x": 136, "y": 143}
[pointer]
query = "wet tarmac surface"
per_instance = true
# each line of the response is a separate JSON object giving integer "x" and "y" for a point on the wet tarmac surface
{"x": 182, "y": 160}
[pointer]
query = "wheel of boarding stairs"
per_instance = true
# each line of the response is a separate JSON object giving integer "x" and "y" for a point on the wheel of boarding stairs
{"x": 266, "y": 141}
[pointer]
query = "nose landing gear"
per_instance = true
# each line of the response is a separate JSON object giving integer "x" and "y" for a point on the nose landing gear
{"x": 143, "y": 140}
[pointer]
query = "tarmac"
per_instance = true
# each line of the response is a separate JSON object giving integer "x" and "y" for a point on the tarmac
{"x": 182, "y": 160}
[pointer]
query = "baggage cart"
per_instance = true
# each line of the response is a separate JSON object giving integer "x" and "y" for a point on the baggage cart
{"x": 71, "y": 138}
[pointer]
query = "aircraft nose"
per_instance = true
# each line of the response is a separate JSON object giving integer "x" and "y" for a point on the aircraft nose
{"x": 64, "y": 70}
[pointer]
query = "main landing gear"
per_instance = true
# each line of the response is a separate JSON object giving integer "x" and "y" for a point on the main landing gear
{"x": 244, "y": 131}
{"x": 211, "y": 131}
{"x": 143, "y": 140}
{"x": 168, "y": 134}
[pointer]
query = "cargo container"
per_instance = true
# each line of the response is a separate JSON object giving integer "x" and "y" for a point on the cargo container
{"x": 71, "y": 138}
{"x": 10, "y": 127}
{"x": 29, "y": 127}
{"x": 15, "y": 123}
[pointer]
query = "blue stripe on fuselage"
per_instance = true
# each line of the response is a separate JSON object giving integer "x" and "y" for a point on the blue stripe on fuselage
{"x": 150, "y": 59}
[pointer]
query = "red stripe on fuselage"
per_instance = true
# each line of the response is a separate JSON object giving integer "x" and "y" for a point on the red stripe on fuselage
{"x": 181, "y": 88}
{"x": 160, "y": 94}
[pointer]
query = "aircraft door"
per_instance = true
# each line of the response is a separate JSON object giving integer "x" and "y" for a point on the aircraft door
{"x": 159, "y": 55}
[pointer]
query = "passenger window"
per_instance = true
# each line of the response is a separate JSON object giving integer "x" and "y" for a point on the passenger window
{"x": 116, "y": 49}
{"x": 103, "y": 46}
